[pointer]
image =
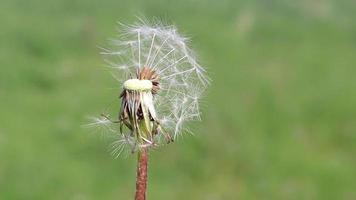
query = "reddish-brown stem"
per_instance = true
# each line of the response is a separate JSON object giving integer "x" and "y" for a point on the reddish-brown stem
{"x": 141, "y": 179}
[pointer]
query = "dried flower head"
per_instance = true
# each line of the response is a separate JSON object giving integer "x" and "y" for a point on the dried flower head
{"x": 162, "y": 83}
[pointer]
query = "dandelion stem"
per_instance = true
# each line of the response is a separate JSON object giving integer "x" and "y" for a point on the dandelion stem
{"x": 141, "y": 179}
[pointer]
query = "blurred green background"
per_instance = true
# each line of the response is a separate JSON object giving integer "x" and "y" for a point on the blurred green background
{"x": 279, "y": 118}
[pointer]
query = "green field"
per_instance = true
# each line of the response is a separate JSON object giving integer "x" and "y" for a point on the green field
{"x": 279, "y": 119}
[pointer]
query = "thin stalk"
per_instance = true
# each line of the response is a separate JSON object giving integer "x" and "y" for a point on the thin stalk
{"x": 141, "y": 178}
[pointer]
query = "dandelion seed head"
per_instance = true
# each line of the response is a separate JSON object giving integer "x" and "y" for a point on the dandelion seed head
{"x": 182, "y": 81}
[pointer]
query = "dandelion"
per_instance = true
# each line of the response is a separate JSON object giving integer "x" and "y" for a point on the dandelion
{"x": 161, "y": 86}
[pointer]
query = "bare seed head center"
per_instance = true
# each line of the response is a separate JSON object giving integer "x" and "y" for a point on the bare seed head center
{"x": 138, "y": 85}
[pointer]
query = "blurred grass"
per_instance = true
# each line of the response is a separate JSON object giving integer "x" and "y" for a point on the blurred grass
{"x": 279, "y": 118}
